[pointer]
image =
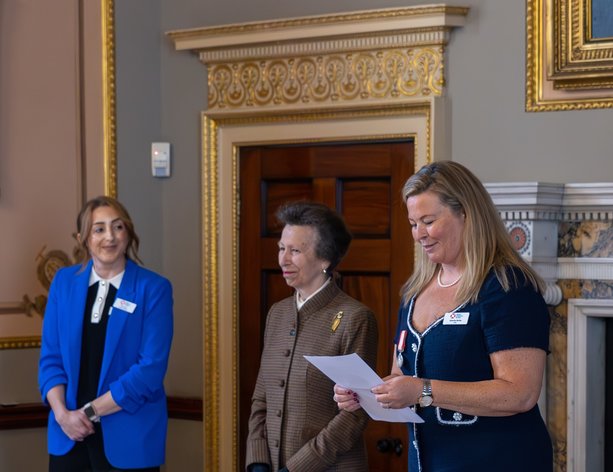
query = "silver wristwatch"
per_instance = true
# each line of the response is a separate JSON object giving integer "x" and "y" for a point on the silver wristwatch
{"x": 90, "y": 412}
{"x": 425, "y": 399}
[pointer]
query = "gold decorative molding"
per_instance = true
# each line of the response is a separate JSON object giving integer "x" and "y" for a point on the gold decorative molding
{"x": 235, "y": 303}
{"x": 313, "y": 28}
{"x": 417, "y": 37}
{"x": 566, "y": 68}
{"x": 210, "y": 294}
{"x": 379, "y": 55}
{"x": 108, "y": 97}
{"x": 384, "y": 74}
{"x": 20, "y": 342}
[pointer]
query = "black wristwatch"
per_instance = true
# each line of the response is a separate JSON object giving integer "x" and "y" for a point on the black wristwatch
{"x": 425, "y": 399}
{"x": 90, "y": 412}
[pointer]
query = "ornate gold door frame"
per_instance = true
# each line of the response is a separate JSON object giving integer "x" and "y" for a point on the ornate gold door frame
{"x": 354, "y": 76}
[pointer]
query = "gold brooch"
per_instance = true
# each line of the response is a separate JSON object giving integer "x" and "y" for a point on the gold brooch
{"x": 337, "y": 321}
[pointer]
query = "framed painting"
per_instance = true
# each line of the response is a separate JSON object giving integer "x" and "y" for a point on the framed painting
{"x": 569, "y": 54}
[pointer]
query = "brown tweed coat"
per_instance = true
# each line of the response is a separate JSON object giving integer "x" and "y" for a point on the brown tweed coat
{"x": 294, "y": 420}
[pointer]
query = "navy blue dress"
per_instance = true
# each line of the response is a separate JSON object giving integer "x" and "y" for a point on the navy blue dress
{"x": 450, "y": 441}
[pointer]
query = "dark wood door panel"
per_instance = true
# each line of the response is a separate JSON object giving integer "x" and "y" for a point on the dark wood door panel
{"x": 363, "y": 181}
{"x": 365, "y": 205}
{"x": 277, "y": 192}
{"x": 325, "y": 161}
{"x": 368, "y": 289}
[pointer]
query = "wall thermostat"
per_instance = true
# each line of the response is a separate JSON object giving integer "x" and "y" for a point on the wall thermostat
{"x": 160, "y": 159}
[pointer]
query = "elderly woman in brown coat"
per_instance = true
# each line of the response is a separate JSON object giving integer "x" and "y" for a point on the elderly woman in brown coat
{"x": 295, "y": 424}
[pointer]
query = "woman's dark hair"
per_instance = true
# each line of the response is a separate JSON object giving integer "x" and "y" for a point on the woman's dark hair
{"x": 333, "y": 235}
{"x": 84, "y": 226}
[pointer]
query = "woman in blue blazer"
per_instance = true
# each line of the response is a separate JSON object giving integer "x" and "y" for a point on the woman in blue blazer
{"x": 106, "y": 339}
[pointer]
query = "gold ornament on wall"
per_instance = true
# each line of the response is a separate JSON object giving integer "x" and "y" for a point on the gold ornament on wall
{"x": 48, "y": 264}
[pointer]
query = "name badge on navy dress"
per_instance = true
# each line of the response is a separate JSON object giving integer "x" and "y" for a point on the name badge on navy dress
{"x": 456, "y": 318}
{"x": 400, "y": 348}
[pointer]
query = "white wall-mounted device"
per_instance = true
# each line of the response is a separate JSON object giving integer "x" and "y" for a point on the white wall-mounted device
{"x": 160, "y": 159}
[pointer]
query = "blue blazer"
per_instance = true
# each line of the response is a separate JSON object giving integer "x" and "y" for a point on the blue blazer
{"x": 134, "y": 363}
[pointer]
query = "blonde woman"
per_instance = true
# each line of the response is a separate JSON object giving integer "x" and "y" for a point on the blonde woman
{"x": 472, "y": 335}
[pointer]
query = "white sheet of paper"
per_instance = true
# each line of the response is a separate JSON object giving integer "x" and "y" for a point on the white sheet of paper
{"x": 352, "y": 372}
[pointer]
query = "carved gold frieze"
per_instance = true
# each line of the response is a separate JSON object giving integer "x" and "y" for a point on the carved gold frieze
{"x": 367, "y": 75}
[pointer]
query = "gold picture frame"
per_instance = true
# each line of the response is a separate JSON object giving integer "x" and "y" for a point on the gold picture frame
{"x": 567, "y": 67}
{"x": 102, "y": 16}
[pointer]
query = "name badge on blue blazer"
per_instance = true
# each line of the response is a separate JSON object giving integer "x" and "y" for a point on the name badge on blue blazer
{"x": 124, "y": 305}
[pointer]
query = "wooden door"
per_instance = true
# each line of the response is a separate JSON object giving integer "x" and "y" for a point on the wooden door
{"x": 361, "y": 181}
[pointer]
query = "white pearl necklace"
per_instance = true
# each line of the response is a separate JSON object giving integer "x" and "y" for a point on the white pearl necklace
{"x": 441, "y": 284}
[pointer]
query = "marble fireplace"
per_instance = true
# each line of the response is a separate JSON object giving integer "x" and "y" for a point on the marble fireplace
{"x": 566, "y": 232}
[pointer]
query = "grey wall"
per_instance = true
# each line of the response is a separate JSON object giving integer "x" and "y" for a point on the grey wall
{"x": 160, "y": 94}
{"x": 492, "y": 133}
{"x": 159, "y": 98}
